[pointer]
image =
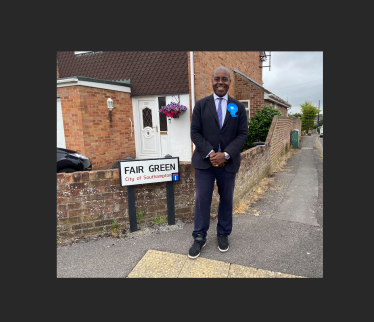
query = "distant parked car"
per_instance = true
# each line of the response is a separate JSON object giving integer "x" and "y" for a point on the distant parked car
{"x": 72, "y": 161}
{"x": 321, "y": 132}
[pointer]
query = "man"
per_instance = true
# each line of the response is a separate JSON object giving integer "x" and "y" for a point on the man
{"x": 219, "y": 128}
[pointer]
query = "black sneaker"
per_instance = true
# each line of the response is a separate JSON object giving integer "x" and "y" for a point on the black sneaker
{"x": 195, "y": 249}
{"x": 223, "y": 242}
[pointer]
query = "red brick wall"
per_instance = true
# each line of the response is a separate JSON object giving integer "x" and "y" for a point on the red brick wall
{"x": 205, "y": 62}
{"x": 255, "y": 164}
{"x": 279, "y": 135}
{"x": 88, "y": 201}
{"x": 87, "y": 128}
{"x": 245, "y": 90}
{"x": 296, "y": 124}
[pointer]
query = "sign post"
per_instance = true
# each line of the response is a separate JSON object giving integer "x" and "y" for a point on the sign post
{"x": 131, "y": 204}
{"x": 135, "y": 172}
{"x": 170, "y": 197}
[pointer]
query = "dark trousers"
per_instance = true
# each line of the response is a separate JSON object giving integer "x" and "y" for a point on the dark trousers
{"x": 204, "y": 184}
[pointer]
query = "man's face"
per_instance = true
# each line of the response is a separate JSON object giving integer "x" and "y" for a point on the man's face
{"x": 221, "y": 82}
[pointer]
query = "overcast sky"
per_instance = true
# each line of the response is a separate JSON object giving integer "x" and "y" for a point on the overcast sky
{"x": 296, "y": 76}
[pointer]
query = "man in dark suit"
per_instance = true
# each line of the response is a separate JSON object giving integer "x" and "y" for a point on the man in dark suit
{"x": 219, "y": 128}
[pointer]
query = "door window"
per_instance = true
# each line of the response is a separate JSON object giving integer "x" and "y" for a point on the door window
{"x": 147, "y": 117}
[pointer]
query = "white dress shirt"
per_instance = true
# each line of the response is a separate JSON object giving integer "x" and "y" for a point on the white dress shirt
{"x": 223, "y": 108}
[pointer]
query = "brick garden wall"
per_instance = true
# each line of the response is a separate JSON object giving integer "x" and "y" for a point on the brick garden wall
{"x": 86, "y": 124}
{"x": 296, "y": 124}
{"x": 279, "y": 137}
{"x": 254, "y": 166}
{"x": 87, "y": 202}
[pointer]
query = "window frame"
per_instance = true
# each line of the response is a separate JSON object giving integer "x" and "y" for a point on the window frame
{"x": 247, "y": 109}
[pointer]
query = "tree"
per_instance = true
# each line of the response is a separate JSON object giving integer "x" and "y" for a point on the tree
{"x": 259, "y": 125}
{"x": 295, "y": 114}
{"x": 309, "y": 113}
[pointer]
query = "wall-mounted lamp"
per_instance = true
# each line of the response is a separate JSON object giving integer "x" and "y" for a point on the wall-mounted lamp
{"x": 110, "y": 107}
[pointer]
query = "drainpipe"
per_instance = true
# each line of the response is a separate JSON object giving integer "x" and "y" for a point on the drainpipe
{"x": 192, "y": 80}
{"x": 192, "y": 86}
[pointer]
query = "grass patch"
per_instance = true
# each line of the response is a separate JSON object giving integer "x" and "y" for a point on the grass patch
{"x": 158, "y": 220}
{"x": 139, "y": 217}
{"x": 240, "y": 208}
{"x": 114, "y": 225}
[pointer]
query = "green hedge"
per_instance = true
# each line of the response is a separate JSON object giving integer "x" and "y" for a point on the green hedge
{"x": 259, "y": 125}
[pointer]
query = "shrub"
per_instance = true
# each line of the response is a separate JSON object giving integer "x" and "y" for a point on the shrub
{"x": 259, "y": 125}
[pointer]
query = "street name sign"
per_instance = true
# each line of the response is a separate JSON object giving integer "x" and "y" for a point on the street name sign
{"x": 135, "y": 172}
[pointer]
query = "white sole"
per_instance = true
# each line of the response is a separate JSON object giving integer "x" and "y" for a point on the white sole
{"x": 193, "y": 257}
{"x": 223, "y": 250}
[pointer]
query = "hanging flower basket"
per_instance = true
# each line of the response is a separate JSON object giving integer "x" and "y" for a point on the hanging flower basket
{"x": 173, "y": 110}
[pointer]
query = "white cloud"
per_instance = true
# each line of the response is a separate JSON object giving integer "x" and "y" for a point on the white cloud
{"x": 296, "y": 76}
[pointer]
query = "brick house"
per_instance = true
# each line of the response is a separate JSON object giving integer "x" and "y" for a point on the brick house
{"x": 139, "y": 84}
{"x": 276, "y": 102}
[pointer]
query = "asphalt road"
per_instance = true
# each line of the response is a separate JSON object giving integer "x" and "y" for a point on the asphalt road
{"x": 286, "y": 236}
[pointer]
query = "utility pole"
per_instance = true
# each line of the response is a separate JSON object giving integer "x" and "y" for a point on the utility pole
{"x": 318, "y": 115}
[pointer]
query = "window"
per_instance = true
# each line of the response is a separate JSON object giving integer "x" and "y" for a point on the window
{"x": 163, "y": 123}
{"x": 246, "y": 105}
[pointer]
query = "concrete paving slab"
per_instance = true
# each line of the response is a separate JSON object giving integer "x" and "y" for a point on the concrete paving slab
{"x": 158, "y": 264}
{"x": 203, "y": 267}
{"x": 239, "y": 271}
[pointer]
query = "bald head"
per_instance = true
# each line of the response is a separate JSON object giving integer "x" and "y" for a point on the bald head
{"x": 221, "y": 81}
{"x": 222, "y": 68}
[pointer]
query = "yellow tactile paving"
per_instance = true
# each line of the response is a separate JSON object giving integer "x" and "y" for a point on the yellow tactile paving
{"x": 163, "y": 264}
{"x": 202, "y": 267}
{"x": 251, "y": 272}
{"x": 158, "y": 264}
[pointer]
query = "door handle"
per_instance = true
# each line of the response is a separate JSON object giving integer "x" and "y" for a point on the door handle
{"x": 156, "y": 128}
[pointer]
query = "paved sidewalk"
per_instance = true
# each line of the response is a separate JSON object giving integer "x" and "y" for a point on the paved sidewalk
{"x": 285, "y": 238}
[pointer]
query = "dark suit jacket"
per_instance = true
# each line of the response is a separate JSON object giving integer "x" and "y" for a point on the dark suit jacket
{"x": 206, "y": 134}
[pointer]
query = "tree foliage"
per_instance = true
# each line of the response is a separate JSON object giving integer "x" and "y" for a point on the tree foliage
{"x": 309, "y": 113}
{"x": 259, "y": 125}
{"x": 295, "y": 114}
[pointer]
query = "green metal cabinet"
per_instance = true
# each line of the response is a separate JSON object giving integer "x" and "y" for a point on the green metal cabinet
{"x": 295, "y": 138}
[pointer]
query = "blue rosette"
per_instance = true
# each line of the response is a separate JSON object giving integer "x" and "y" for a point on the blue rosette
{"x": 232, "y": 108}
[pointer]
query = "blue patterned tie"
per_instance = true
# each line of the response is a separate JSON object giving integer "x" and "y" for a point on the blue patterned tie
{"x": 219, "y": 112}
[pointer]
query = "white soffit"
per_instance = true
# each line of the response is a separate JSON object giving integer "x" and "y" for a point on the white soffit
{"x": 76, "y": 82}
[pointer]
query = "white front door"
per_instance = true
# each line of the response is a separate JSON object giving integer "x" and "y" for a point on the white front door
{"x": 148, "y": 134}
